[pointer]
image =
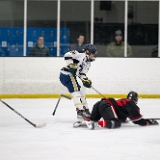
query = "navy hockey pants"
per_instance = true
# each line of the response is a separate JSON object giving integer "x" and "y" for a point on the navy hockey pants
{"x": 70, "y": 82}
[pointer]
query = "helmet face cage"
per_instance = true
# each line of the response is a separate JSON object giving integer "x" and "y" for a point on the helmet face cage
{"x": 133, "y": 96}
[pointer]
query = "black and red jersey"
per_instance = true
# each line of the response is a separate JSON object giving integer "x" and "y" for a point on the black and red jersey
{"x": 126, "y": 108}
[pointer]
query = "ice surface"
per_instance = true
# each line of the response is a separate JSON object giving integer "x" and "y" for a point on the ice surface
{"x": 60, "y": 141}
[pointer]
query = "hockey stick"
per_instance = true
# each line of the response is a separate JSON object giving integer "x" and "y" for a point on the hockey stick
{"x": 147, "y": 118}
{"x": 62, "y": 95}
{"x": 66, "y": 96}
{"x": 34, "y": 125}
{"x": 56, "y": 105}
{"x": 93, "y": 88}
{"x": 98, "y": 92}
{"x": 153, "y": 118}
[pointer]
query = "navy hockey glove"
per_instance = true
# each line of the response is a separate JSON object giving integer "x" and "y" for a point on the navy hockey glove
{"x": 72, "y": 68}
{"x": 152, "y": 122}
{"x": 87, "y": 82}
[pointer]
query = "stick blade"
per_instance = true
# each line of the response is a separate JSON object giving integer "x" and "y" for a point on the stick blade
{"x": 40, "y": 125}
{"x": 153, "y": 118}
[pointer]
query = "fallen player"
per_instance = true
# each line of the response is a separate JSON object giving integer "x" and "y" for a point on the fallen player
{"x": 110, "y": 113}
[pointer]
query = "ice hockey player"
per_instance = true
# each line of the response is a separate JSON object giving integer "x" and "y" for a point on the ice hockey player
{"x": 114, "y": 112}
{"x": 78, "y": 64}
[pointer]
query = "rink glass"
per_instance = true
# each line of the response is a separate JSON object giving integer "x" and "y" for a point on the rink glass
{"x": 76, "y": 18}
{"x": 11, "y": 27}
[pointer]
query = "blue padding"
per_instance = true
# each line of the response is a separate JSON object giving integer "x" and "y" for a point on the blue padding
{"x": 14, "y": 37}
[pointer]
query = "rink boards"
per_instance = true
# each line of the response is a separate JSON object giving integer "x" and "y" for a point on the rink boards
{"x": 26, "y": 77}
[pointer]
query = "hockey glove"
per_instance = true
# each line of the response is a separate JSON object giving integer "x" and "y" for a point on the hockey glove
{"x": 72, "y": 68}
{"x": 87, "y": 82}
{"x": 152, "y": 122}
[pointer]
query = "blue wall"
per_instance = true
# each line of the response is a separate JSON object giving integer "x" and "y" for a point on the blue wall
{"x": 11, "y": 40}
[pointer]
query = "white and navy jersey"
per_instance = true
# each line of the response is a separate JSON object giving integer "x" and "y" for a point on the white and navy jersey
{"x": 80, "y": 59}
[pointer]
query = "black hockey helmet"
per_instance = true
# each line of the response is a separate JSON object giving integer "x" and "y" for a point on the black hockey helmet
{"x": 91, "y": 48}
{"x": 133, "y": 96}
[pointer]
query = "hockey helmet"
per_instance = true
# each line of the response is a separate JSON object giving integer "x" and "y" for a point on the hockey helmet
{"x": 91, "y": 48}
{"x": 133, "y": 96}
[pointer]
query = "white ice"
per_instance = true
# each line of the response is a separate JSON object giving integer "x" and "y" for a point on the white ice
{"x": 60, "y": 141}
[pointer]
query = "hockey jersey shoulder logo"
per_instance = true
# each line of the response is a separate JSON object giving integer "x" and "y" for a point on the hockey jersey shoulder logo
{"x": 121, "y": 102}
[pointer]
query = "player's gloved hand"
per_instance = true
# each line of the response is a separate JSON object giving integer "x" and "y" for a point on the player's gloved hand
{"x": 72, "y": 68}
{"x": 87, "y": 82}
{"x": 152, "y": 122}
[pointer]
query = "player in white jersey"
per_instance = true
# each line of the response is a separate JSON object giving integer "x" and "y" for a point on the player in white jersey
{"x": 78, "y": 64}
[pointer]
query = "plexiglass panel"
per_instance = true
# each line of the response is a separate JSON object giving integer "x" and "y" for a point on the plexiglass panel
{"x": 75, "y": 25}
{"x": 11, "y": 27}
{"x": 143, "y": 27}
{"x": 42, "y": 21}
